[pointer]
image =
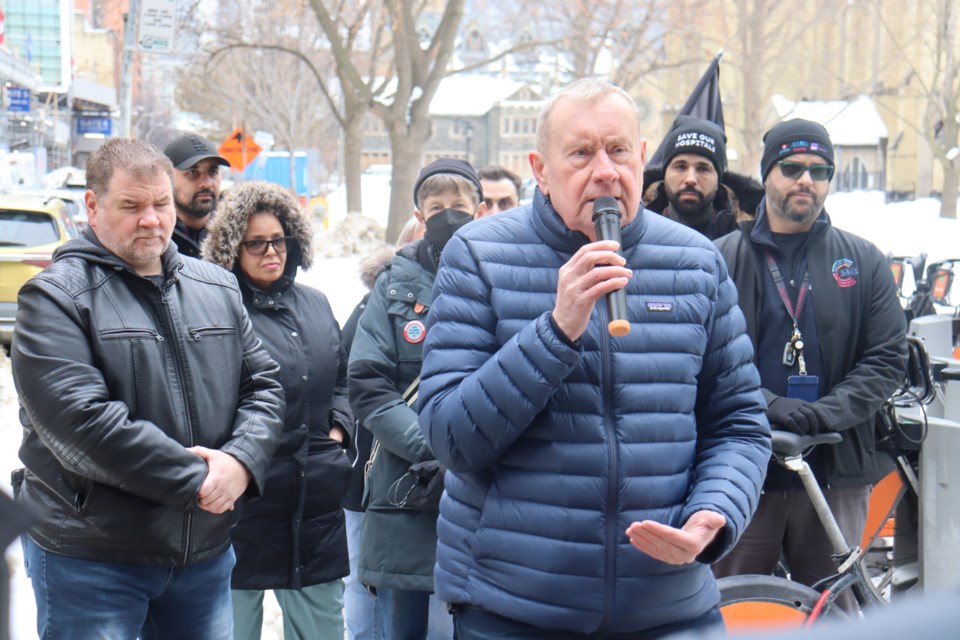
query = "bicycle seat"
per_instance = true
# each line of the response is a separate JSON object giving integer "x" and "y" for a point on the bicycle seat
{"x": 787, "y": 444}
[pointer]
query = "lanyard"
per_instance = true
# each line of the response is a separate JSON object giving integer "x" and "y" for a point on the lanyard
{"x": 793, "y": 350}
{"x": 805, "y": 286}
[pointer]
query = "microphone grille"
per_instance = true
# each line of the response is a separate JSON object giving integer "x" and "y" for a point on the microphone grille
{"x": 606, "y": 204}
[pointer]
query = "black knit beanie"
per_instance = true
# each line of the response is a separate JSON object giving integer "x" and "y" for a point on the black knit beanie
{"x": 791, "y": 137}
{"x": 695, "y": 135}
{"x": 455, "y": 166}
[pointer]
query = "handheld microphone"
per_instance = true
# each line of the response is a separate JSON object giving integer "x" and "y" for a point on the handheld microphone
{"x": 606, "y": 219}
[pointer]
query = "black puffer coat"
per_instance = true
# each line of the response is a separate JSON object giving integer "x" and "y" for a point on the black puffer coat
{"x": 294, "y": 536}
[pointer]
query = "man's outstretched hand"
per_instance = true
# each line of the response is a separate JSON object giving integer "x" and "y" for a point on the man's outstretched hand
{"x": 676, "y": 546}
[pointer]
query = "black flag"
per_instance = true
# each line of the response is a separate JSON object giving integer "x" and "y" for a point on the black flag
{"x": 704, "y": 102}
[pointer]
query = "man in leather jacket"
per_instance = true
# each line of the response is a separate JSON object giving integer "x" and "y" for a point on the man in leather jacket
{"x": 149, "y": 408}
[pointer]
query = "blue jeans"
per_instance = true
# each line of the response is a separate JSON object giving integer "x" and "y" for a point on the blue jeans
{"x": 361, "y": 611}
{"x": 413, "y": 615}
{"x": 86, "y": 599}
{"x": 472, "y": 623}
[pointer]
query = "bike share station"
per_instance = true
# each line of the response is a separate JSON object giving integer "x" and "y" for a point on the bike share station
{"x": 939, "y": 467}
{"x": 912, "y": 538}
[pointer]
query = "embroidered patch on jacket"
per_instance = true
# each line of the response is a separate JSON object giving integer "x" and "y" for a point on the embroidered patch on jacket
{"x": 845, "y": 272}
{"x": 659, "y": 306}
{"x": 414, "y": 331}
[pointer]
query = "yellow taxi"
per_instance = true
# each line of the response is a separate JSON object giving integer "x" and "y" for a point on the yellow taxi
{"x": 31, "y": 229}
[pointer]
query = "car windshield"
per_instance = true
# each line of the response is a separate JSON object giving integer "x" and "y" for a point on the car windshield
{"x": 27, "y": 228}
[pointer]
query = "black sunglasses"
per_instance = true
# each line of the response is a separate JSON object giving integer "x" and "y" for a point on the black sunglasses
{"x": 793, "y": 170}
{"x": 259, "y": 247}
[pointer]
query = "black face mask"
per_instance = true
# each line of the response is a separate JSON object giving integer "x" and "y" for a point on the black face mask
{"x": 441, "y": 226}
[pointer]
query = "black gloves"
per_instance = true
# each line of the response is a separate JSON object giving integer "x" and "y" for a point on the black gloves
{"x": 791, "y": 414}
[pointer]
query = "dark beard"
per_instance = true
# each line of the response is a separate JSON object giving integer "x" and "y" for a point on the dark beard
{"x": 690, "y": 212}
{"x": 196, "y": 210}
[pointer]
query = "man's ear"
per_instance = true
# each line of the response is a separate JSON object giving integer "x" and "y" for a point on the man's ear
{"x": 481, "y": 210}
{"x": 537, "y": 165}
{"x": 90, "y": 200}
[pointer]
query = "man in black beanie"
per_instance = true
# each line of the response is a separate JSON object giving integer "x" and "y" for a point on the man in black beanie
{"x": 828, "y": 336}
{"x": 695, "y": 157}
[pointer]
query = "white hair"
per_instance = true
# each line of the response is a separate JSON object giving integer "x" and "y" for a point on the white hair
{"x": 583, "y": 90}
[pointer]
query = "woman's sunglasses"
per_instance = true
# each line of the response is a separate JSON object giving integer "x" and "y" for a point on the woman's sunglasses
{"x": 793, "y": 170}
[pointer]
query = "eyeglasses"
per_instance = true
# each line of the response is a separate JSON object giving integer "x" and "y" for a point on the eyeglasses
{"x": 793, "y": 170}
{"x": 259, "y": 247}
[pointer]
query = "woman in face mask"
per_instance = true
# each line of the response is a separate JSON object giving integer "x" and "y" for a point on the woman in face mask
{"x": 398, "y": 537}
{"x": 293, "y": 539}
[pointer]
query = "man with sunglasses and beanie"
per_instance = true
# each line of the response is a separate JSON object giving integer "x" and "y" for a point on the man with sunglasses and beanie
{"x": 828, "y": 334}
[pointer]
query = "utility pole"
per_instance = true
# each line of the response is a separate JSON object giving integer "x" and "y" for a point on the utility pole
{"x": 130, "y": 27}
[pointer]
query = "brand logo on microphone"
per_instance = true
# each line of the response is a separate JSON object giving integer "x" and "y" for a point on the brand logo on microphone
{"x": 660, "y": 306}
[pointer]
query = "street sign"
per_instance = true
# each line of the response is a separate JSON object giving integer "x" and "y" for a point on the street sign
{"x": 19, "y": 99}
{"x": 157, "y": 25}
{"x": 239, "y": 149}
{"x": 94, "y": 125}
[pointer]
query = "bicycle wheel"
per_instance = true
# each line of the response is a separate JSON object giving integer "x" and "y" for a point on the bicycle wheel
{"x": 754, "y": 602}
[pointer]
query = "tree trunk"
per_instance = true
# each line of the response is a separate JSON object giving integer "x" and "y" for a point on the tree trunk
{"x": 405, "y": 150}
{"x": 951, "y": 189}
{"x": 353, "y": 160}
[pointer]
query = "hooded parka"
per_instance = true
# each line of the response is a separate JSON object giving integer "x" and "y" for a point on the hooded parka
{"x": 294, "y": 536}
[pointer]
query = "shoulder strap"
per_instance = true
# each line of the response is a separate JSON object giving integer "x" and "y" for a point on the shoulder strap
{"x": 410, "y": 397}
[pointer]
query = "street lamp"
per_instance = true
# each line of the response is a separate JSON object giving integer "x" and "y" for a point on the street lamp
{"x": 466, "y": 128}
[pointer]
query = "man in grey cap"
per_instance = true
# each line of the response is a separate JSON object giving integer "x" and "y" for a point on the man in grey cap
{"x": 196, "y": 189}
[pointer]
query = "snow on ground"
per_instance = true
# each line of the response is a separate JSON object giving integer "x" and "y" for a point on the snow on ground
{"x": 903, "y": 228}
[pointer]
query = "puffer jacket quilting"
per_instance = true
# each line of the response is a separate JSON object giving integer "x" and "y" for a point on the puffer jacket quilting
{"x": 554, "y": 449}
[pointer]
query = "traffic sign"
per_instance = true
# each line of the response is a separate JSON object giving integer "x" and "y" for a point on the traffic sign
{"x": 158, "y": 26}
{"x": 239, "y": 149}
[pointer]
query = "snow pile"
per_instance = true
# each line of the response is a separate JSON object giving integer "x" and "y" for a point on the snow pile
{"x": 356, "y": 234}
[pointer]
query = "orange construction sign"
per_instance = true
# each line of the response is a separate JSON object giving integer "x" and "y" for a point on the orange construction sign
{"x": 239, "y": 149}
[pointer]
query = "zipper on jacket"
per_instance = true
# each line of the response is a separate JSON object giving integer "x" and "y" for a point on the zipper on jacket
{"x": 132, "y": 334}
{"x": 612, "y": 510}
{"x": 204, "y": 332}
{"x": 176, "y": 351}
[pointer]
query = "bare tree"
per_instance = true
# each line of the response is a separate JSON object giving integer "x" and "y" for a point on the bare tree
{"x": 409, "y": 82}
{"x": 258, "y": 89}
{"x": 287, "y": 31}
{"x": 930, "y": 51}
{"x": 623, "y": 39}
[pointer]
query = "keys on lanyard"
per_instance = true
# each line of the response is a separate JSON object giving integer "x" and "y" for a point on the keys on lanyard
{"x": 793, "y": 351}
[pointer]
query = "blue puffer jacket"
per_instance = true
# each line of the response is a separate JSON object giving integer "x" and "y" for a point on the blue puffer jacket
{"x": 555, "y": 449}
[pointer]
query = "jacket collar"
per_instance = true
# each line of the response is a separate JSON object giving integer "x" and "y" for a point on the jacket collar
{"x": 552, "y": 229}
{"x": 88, "y": 247}
{"x": 272, "y": 299}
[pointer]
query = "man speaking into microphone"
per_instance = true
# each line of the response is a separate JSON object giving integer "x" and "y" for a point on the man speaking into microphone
{"x": 593, "y": 474}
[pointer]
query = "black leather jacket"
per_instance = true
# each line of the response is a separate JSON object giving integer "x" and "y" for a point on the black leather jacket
{"x": 118, "y": 374}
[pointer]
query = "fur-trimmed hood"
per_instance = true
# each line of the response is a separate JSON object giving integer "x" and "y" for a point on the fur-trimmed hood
{"x": 225, "y": 231}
